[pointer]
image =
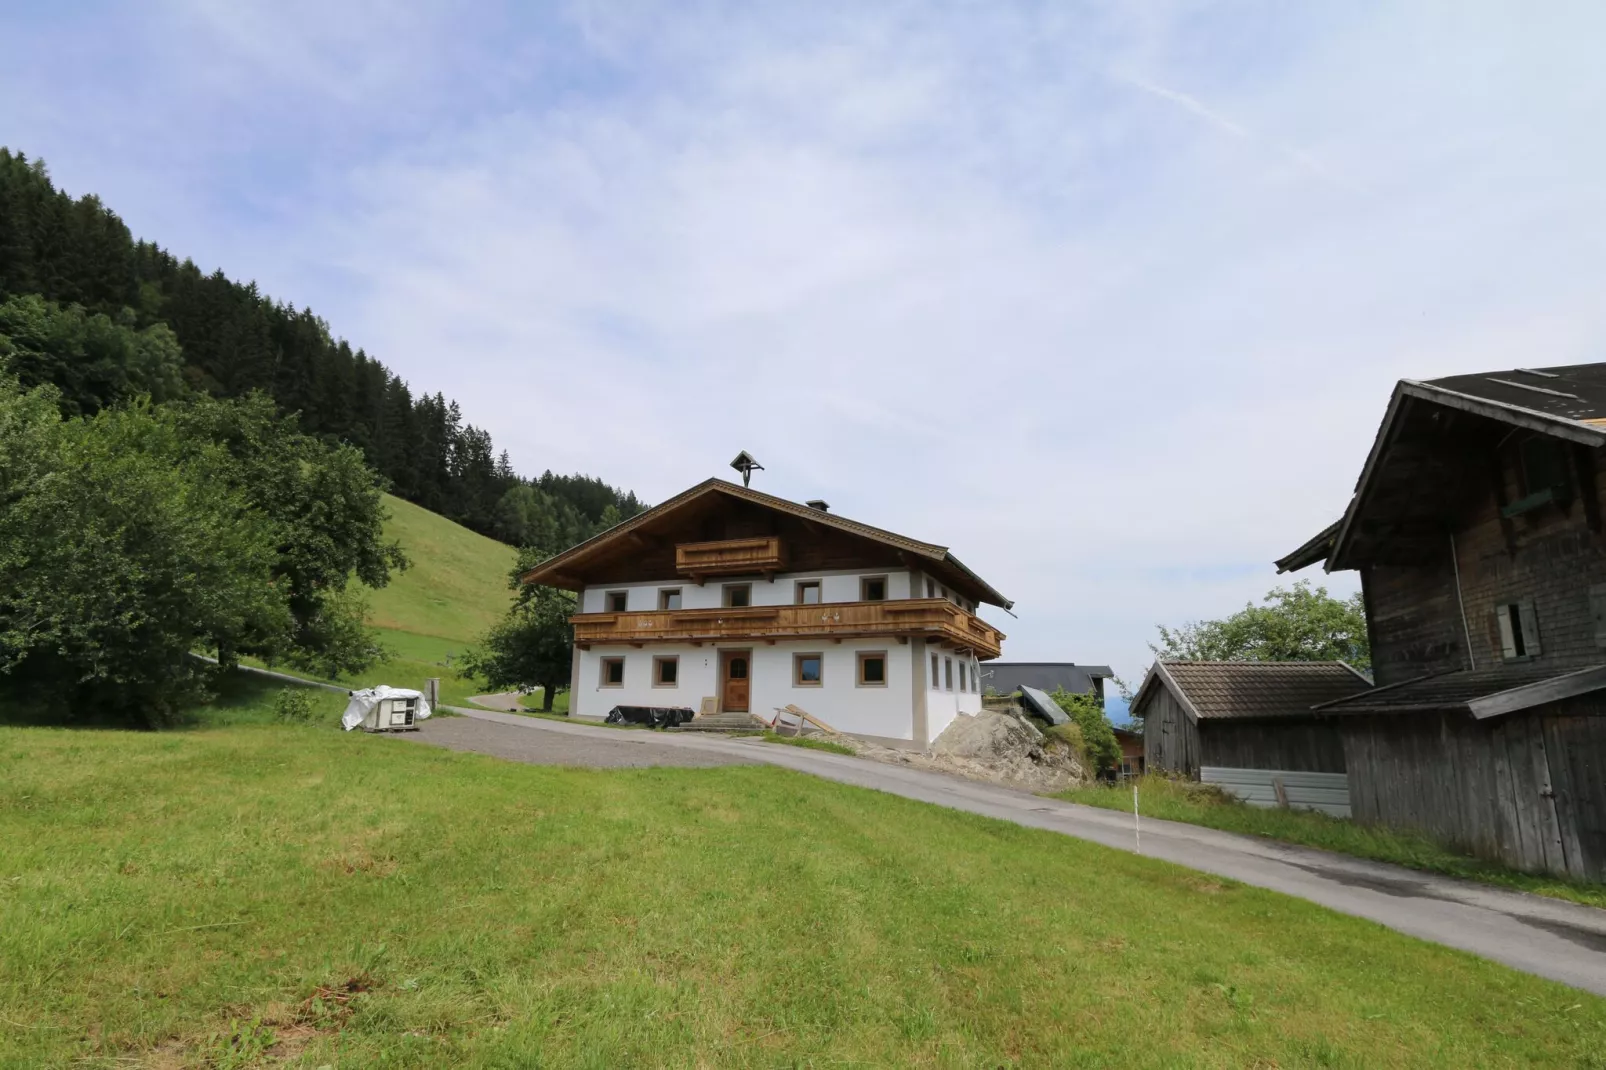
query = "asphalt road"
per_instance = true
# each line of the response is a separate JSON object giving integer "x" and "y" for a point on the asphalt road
{"x": 1547, "y": 937}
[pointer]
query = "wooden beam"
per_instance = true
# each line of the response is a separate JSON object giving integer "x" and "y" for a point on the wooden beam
{"x": 1588, "y": 490}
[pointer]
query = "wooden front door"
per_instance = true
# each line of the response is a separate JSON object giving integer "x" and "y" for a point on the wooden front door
{"x": 734, "y": 668}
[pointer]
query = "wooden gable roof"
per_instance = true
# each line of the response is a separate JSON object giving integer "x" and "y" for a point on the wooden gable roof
{"x": 642, "y": 548}
{"x": 1251, "y": 690}
{"x": 1426, "y": 460}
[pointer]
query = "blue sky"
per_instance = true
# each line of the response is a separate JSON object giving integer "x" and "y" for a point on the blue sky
{"x": 1107, "y": 297}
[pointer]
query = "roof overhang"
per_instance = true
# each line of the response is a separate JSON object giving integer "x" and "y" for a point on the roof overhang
{"x": 558, "y": 570}
{"x": 1500, "y": 703}
{"x": 1407, "y": 390}
{"x": 1159, "y": 677}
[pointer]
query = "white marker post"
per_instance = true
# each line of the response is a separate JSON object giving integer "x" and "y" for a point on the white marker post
{"x": 1137, "y": 831}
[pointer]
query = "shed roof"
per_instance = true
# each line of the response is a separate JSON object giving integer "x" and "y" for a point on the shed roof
{"x": 1484, "y": 693}
{"x": 1007, "y": 677}
{"x": 1251, "y": 690}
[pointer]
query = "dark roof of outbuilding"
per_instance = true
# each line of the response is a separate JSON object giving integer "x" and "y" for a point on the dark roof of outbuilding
{"x": 1222, "y": 690}
{"x": 1483, "y": 693}
{"x": 1572, "y": 392}
{"x": 1007, "y": 677}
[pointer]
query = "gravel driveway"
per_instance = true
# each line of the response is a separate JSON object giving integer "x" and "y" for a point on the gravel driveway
{"x": 517, "y": 743}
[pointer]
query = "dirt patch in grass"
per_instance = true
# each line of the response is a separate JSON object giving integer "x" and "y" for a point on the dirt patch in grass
{"x": 543, "y": 915}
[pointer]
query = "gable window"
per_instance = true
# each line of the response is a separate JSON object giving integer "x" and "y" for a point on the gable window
{"x": 872, "y": 668}
{"x": 873, "y": 589}
{"x": 1518, "y": 630}
{"x": 948, "y": 673}
{"x": 669, "y": 598}
{"x": 808, "y": 593}
{"x": 615, "y": 601}
{"x": 931, "y": 589}
{"x": 666, "y": 671}
{"x": 738, "y": 595}
{"x": 613, "y": 672}
{"x": 808, "y": 670}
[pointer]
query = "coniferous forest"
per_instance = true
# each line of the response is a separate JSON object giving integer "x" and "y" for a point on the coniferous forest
{"x": 102, "y": 317}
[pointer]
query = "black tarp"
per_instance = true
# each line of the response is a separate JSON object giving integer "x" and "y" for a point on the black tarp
{"x": 653, "y": 716}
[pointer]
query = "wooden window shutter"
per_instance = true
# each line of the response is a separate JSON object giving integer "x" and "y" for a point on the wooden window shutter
{"x": 1530, "y": 628}
{"x": 1504, "y": 641}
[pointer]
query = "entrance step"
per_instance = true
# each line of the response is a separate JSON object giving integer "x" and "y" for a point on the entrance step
{"x": 721, "y": 722}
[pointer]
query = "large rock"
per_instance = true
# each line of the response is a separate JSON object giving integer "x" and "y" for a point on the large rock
{"x": 989, "y": 737}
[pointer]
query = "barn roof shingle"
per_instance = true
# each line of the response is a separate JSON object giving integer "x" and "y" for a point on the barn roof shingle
{"x": 1482, "y": 692}
{"x": 1223, "y": 690}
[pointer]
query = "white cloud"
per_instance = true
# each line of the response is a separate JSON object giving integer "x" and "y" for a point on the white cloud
{"x": 1118, "y": 346}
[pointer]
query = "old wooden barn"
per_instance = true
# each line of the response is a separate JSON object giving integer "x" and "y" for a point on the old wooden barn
{"x": 1476, "y": 528}
{"x": 1250, "y": 727}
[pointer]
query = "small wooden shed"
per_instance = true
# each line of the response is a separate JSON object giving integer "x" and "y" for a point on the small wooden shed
{"x": 1507, "y": 764}
{"x": 1249, "y": 727}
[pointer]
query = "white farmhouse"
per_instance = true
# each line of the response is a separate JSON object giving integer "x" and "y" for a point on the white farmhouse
{"x": 728, "y": 593}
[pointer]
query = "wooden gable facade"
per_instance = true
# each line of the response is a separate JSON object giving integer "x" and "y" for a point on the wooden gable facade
{"x": 1476, "y": 527}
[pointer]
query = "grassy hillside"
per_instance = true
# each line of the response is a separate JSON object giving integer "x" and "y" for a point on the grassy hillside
{"x": 265, "y": 895}
{"x": 454, "y": 590}
{"x": 457, "y": 585}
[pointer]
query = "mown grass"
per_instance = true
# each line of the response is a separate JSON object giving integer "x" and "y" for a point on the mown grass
{"x": 264, "y": 894}
{"x": 456, "y": 586}
{"x": 1174, "y": 800}
{"x": 809, "y": 742}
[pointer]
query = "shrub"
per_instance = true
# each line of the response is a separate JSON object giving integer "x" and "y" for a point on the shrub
{"x": 1099, "y": 743}
{"x": 294, "y": 704}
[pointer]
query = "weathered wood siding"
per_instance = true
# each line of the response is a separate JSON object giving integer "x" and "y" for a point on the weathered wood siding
{"x": 1528, "y": 790}
{"x": 1305, "y": 746}
{"x": 1170, "y": 738}
{"x": 1550, "y": 556}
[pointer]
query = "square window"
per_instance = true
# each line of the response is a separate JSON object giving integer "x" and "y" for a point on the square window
{"x": 808, "y": 670}
{"x": 615, "y": 601}
{"x": 666, "y": 671}
{"x": 669, "y": 598}
{"x": 873, "y": 589}
{"x": 738, "y": 595}
{"x": 1518, "y": 630}
{"x": 948, "y": 673}
{"x": 872, "y": 668}
{"x": 808, "y": 592}
{"x": 613, "y": 672}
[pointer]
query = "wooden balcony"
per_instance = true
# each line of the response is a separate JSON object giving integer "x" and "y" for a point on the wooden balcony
{"x": 729, "y": 557}
{"x": 935, "y": 619}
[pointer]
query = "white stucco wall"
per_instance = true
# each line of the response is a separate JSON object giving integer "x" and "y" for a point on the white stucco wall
{"x": 781, "y": 591}
{"x": 943, "y": 703}
{"x": 878, "y": 711}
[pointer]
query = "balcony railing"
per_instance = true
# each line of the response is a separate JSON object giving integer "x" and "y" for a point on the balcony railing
{"x": 729, "y": 557}
{"x": 903, "y": 619}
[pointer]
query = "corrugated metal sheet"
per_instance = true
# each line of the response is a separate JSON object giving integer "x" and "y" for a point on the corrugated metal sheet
{"x": 1327, "y": 792}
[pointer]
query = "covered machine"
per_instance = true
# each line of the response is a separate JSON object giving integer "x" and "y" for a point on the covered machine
{"x": 385, "y": 709}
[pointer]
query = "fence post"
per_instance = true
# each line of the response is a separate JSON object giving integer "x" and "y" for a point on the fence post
{"x": 432, "y": 692}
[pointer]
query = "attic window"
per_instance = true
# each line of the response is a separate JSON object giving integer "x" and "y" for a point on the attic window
{"x": 1545, "y": 476}
{"x": 873, "y": 589}
{"x": 617, "y": 600}
{"x": 1518, "y": 630}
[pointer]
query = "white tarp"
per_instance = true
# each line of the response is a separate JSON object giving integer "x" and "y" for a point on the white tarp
{"x": 363, "y": 702}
